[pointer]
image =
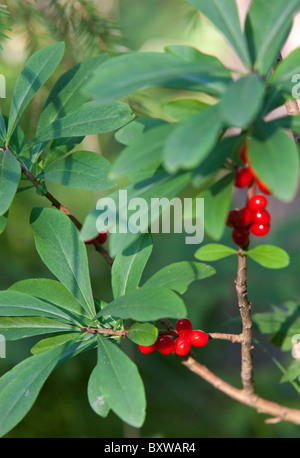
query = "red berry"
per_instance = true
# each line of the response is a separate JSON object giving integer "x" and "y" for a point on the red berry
{"x": 244, "y": 153}
{"x": 243, "y": 217}
{"x": 102, "y": 237}
{"x": 184, "y": 326}
{"x": 262, "y": 217}
{"x": 240, "y": 236}
{"x": 165, "y": 345}
{"x": 182, "y": 346}
{"x": 198, "y": 338}
{"x": 243, "y": 177}
{"x": 257, "y": 202}
{"x": 263, "y": 187}
{"x": 231, "y": 218}
{"x": 259, "y": 229}
{"x": 146, "y": 349}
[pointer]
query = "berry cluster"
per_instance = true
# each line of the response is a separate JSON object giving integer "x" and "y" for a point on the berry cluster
{"x": 101, "y": 238}
{"x": 254, "y": 217}
{"x": 186, "y": 336}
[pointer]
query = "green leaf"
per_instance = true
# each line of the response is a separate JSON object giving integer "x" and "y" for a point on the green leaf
{"x": 36, "y": 72}
{"x": 182, "y": 109}
{"x": 142, "y": 151}
{"x": 120, "y": 383}
{"x": 224, "y": 15}
{"x": 267, "y": 27}
{"x": 54, "y": 341}
{"x": 58, "y": 244}
{"x": 142, "y": 333}
{"x": 217, "y": 201}
{"x": 14, "y": 303}
{"x": 180, "y": 275}
{"x": 213, "y": 252}
{"x": 129, "y": 265}
{"x": 53, "y": 292}
{"x": 146, "y": 304}
{"x": 292, "y": 373}
{"x": 144, "y": 69}
{"x": 91, "y": 118}
{"x": 95, "y": 396}
{"x": 81, "y": 170}
{"x": 248, "y": 91}
{"x": 192, "y": 140}
{"x": 2, "y": 127}
{"x": 267, "y": 147}
{"x": 269, "y": 256}
{"x": 20, "y": 386}
{"x": 287, "y": 69}
{"x": 65, "y": 95}
{"x": 15, "y": 328}
{"x": 10, "y": 173}
{"x": 127, "y": 134}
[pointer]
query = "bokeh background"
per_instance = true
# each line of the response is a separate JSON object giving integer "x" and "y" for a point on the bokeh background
{"x": 180, "y": 404}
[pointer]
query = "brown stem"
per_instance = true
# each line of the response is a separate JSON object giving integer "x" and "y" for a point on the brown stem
{"x": 222, "y": 336}
{"x": 105, "y": 331}
{"x": 245, "y": 312}
{"x": 277, "y": 411}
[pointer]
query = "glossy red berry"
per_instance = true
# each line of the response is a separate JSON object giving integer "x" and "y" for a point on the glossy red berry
{"x": 243, "y": 177}
{"x": 257, "y": 202}
{"x": 244, "y": 153}
{"x": 259, "y": 229}
{"x": 182, "y": 345}
{"x": 184, "y": 326}
{"x": 165, "y": 345}
{"x": 240, "y": 236}
{"x": 263, "y": 187}
{"x": 243, "y": 218}
{"x": 146, "y": 349}
{"x": 198, "y": 338}
{"x": 262, "y": 217}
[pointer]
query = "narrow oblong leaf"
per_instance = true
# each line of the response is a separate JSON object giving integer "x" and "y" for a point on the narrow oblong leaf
{"x": 144, "y": 69}
{"x": 213, "y": 252}
{"x": 58, "y": 244}
{"x": 142, "y": 333}
{"x": 10, "y": 174}
{"x": 53, "y": 341}
{"x": 286, "y": 74}
{"x": 129, "y": 265}
{"x": 266, "y": 149}
{"x": 36, "y": 72}
{"x": 82, "y": 170}
{"x": 16, "y": 328}
{"x": 247, "y": 91}
{"x": 268, "y": 24}
{"x": 53, "y": 292}
{"x": 179, "y": 275}
{"x": 91, "y": 118}
{"x": 120, "y": 383}
{"x": 269, "y": 256}
{"x": 224, "y": 15}
{"x": 95, "y": 396}
{"x": 192, "y": 140}
{"x": 146, "y": 304}
{"x": 20, "y": 386}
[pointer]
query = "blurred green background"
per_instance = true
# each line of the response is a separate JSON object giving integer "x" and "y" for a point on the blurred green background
{"x": 180, "y": 404}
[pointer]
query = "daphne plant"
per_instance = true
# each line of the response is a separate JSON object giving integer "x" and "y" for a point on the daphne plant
{"x": 190, "y": 143}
